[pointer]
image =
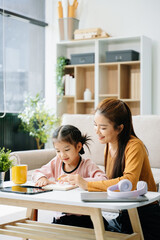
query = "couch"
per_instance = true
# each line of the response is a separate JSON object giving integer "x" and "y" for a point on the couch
{"x": 146, "y": 127}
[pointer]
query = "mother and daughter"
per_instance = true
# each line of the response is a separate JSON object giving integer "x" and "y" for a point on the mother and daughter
{"x": 125, "y": 158}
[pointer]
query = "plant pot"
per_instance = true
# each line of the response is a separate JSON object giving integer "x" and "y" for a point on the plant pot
{"x": 2, "y": 175}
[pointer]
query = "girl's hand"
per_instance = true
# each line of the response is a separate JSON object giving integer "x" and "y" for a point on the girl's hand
{"x": 74, "y": 180}
{"x": 43, "y": 181}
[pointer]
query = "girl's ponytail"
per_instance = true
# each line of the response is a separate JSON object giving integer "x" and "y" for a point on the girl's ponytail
{"x": 84, "y": 141}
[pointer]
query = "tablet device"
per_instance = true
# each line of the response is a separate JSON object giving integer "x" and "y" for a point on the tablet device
{"x": 103, "y": 197}
{"x": 23, "y": 189}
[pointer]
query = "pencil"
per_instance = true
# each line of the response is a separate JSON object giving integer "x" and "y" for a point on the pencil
{"x": 60, "y": 9}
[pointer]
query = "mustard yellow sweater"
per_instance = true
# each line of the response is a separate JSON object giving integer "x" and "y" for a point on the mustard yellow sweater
{"x": 137, "y": 168}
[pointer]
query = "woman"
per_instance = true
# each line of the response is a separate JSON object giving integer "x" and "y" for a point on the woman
{"x": 125, "y": 158}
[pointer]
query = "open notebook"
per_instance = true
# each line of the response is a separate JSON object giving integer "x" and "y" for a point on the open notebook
{"x": 59, "y": 186}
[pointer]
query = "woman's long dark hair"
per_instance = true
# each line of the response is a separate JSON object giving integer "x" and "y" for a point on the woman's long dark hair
{"x": 72, "y": 135}
{"x": 118, "y": 113}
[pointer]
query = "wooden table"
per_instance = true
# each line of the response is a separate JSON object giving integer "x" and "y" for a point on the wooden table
{"x": 68, "y": 201}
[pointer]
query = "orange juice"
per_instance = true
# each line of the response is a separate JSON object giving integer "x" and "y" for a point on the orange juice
{"x": 19, "y": 174}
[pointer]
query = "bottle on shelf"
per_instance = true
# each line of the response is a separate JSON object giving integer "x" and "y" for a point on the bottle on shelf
{"x": 87, "y": 94}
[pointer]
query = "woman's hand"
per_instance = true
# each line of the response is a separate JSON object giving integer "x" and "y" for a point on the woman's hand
{"x": 74, "y": 180}
{"x": 43, "y": 181}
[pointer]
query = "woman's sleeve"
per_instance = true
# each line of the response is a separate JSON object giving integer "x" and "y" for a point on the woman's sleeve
{"x": 92, "y": 172}
{"x": 45, "y": 171}
{"x": 134, "y": 157}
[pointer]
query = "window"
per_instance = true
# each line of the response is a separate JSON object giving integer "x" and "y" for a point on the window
{"x": 22, "y": 51}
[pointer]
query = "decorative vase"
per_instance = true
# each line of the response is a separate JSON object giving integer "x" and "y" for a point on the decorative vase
{"x": 87, "y": 95}
{"x": 2, "y": 175}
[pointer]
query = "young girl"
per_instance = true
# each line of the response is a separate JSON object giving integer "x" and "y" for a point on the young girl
{"x": 125, "y": 158}
{"x": 68, "y": 142}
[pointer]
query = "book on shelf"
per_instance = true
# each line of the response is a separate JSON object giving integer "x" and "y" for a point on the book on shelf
{"x": 69, "y": 85}
{"x": 135, "y": 85}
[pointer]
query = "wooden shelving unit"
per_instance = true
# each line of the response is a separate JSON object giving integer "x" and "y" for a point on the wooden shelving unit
{"x": 129, "y": 81}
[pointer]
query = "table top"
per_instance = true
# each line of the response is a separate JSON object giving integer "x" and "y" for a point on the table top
{"x": 73, "y": 197}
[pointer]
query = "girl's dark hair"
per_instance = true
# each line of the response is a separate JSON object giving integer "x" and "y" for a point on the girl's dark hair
{"x": 72, "y": 135}
{"x": 118, "y": 113}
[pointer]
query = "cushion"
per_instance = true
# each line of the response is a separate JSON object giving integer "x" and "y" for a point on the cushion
{"x": 34, "y": 158}
{"x": 147, "y": 128}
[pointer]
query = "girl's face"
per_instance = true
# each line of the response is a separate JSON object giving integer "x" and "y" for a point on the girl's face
{"x": 67, "y": 152}
{"x": 105, "y": 130}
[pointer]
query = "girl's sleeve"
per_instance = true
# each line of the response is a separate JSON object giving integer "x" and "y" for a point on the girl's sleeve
{"x": 92, "y": 172}
{"x": 134, "y": 157}
{"x": 47, "y": 171}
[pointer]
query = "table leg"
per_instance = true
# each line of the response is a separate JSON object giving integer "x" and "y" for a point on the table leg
{"x": 98, "y": 223}
{"x": 135, "y": 221}
{"x": 29, "y": 214}
{"x": 35, "y": 215}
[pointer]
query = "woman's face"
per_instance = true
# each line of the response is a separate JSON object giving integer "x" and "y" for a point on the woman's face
{"x": 105, "y": 130}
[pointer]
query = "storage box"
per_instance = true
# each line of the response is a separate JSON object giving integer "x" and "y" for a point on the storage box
{"x": 82, "y": 58}
{"x": 67, "y": 26}
{"x": 123, "y": 55}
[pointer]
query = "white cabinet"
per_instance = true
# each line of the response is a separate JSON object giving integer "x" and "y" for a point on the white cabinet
{"x": 129, "y": 81}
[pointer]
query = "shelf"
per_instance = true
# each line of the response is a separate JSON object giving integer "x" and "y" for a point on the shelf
{"x": 80, "y": 65}
{"x": 129, "y": 81}
{"x": 108, "y": 64}
{"x": 69, "y": 66}
{"x": 108, "y": 95}
{"x": 84, "y": 101}
{"x": 119, "y": 63}
{"x": 86, "y": 42}
{"x": 130, "y": 100}
{"x": 130, "y": 63}
{"x": 75, "y": 43}
{"x": 67, "y": 96}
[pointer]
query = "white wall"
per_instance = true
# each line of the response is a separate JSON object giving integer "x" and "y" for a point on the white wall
{"x": 116, "y": 17}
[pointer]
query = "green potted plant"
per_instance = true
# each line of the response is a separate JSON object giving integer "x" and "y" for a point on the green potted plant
{"x": 60, "y": 71}
{"x": 5, "y": 163}
{"x": 37, "y": 119}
